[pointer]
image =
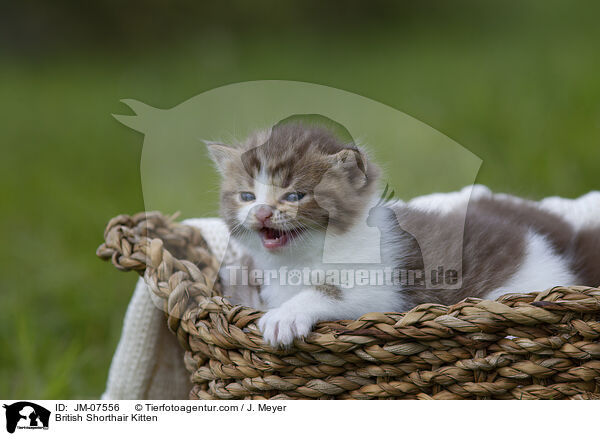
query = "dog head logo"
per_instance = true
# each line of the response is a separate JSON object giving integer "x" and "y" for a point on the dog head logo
{"x": 26, "y": 415}
{"x": 176, "y": 173}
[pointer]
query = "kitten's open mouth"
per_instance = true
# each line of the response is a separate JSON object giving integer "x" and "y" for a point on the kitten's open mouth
{"x": 275, "y": 238}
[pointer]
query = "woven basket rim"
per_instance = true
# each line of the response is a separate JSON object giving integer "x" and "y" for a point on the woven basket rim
{"x": 519, "y": 308}
{"x": 430, "y": 352}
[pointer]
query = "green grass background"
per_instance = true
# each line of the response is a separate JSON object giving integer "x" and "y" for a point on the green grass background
{"x": 518, "y": 86}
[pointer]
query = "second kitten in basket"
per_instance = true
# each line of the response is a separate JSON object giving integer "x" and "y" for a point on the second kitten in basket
{"x": 288, "y": 192}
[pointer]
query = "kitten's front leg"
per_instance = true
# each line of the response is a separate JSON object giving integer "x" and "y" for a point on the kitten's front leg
{"x": 296, "y": 317}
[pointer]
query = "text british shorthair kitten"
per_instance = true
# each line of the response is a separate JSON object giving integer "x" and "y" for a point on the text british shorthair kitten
{"x": 294, "y": 195}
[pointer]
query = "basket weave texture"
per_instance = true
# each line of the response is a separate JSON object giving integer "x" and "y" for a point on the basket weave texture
{"x": 541, "y": 345}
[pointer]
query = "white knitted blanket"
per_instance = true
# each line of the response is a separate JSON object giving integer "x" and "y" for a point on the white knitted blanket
{"x": 148, "y": 362}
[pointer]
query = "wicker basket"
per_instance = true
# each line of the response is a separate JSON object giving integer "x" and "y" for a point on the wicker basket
{"x": 542, "y": 345}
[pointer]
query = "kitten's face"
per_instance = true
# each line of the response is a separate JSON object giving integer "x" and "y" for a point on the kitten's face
{"x": 281, "y": 189}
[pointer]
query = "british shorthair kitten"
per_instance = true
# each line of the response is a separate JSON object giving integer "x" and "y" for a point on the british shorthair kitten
{"x": 299, "y": 199}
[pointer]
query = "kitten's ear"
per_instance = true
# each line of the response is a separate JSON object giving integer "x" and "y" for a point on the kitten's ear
{"x": 354, "y": 162}
{"x": 221, "y": 154}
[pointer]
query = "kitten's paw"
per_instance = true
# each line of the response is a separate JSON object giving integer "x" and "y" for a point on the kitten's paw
{"x": 282, "y": 325}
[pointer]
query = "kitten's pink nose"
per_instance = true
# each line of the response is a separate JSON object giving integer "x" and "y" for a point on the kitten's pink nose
{"x": 263, "y": 213}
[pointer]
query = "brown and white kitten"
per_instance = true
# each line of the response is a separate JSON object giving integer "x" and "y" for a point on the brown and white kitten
{"x": 295, "y": 193}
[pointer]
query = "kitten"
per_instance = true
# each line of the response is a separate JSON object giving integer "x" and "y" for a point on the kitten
{"x": 299, "y": 199}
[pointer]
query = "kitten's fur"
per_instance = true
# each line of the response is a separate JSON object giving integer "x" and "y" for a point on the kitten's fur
{"x": 510, "y": 244}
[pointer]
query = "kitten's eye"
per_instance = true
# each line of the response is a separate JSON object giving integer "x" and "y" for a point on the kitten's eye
{"x": 247, "y": 196}
{"x": 294, "y": 196}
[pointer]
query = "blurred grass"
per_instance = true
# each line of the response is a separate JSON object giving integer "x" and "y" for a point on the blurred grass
{"x": 522, "y": 92}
